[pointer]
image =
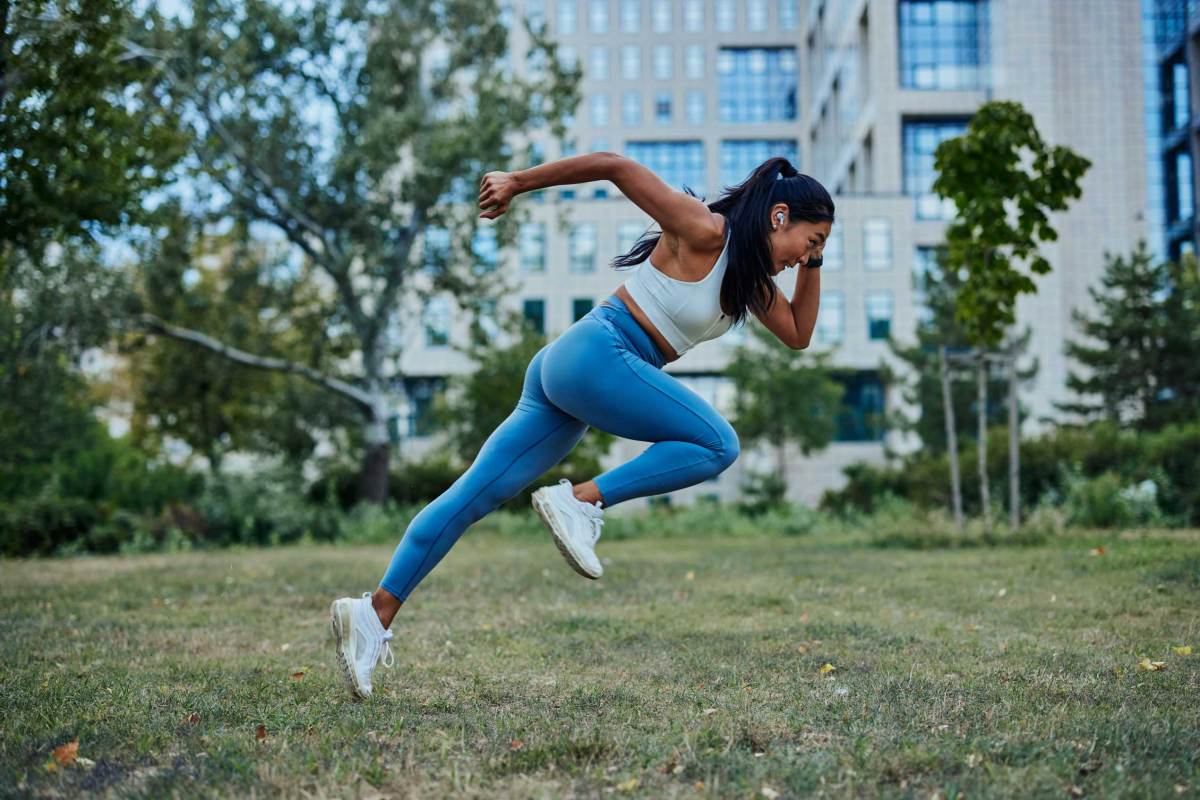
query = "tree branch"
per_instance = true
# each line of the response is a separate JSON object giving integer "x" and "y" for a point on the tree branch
{"x": 157, "y": 325}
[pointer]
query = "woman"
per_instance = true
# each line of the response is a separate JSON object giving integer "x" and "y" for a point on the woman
{"x": 709, "y": 268}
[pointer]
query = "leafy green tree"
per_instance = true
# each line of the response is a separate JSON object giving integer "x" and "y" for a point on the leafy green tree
{"x": 1140, "y": 359}
{"x": 352, "y": 128}
{"x": 783, "y": 395}
{"x": 1005, "y": 182}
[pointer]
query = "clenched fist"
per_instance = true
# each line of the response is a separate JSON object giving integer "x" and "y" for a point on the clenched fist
{"x": 496, "y": 190}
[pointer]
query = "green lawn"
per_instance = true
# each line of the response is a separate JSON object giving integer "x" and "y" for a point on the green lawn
{"x": 692, "y": 669}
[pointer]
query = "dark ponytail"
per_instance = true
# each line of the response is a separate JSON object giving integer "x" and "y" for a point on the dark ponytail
{"x": 749, "y": 279}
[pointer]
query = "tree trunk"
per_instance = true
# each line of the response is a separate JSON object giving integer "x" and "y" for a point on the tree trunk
{"x": 781, "y": 462}
{"x": 984, "y": 500}
{"x": 1014, "y": 450}
{"x": 373, "y": 477}
{"x": 951, "y": 440}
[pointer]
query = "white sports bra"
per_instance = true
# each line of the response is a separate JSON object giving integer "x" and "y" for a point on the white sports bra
{"x": 684, "y": 312}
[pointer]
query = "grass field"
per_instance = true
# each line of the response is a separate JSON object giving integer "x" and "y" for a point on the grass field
{"x": 694, "y": 668}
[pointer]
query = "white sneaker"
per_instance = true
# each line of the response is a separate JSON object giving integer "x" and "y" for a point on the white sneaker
{"x": 574, "y": 524}
{"x": 360, "y": 642}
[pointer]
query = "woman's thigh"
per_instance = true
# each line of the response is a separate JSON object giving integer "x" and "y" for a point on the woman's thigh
{"x": 589, "y": 373}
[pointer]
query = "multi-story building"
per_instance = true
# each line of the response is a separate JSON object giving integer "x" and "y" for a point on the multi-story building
{"x": 1171, "y": 32}
{"x": 858, "y": 93}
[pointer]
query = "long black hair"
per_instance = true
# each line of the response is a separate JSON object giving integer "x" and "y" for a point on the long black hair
{"x": 749, "y": 280}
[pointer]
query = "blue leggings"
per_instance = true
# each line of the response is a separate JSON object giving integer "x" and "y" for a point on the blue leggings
{"x": 603, "y": 371}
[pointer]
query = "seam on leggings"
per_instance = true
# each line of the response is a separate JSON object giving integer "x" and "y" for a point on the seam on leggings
{"x": 487, "y": 485}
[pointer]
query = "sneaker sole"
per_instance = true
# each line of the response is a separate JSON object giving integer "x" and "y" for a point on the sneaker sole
{"x": 549, "y": 518}
{"x": 339, "y": 622}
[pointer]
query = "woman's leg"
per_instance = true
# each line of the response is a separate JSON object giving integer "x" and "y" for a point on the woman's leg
{"x": 534, "y": 438}
{"x": 611, "y": 388}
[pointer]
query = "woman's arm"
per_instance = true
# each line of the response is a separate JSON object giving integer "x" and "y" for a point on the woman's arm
{"x": 793, "y": 322}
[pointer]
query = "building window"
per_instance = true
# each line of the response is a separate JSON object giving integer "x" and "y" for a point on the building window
{"x": 879, "y": 314}
{"x": 861, "y": 418}
{"x": 535, "y": 12}
{"x": 921, "y": 140}
{"x": 1176, "y": 98}
{"x": 534, "y": 311}
{"x": 831, "y": 318}
{"x": 693, "y": 15}
{"x": 581, "y": 247}
{"x": 628, "y": 234}
{"x": 599, "y": 63}
{"x": 756, "y": 15}
{"x": 740, "y": 157}
{"x": 693, "y": 61}
{"x": 877, "y": 244}
{"x": 832, "y": 253}
{"x": 579, "y": 307}
{"x": 630, "y": 15}
{"x": 421, "y": 392}
{"x": 678, "y": 163}
{"x": 485, "y": 249}
{"x": 600, "y": 145}
{"x": 568, "y": 55}
{"x": 789, "y": 14}
{"x": 756, "y": 84}
{"x": 599, "y": 106}
{"x": 695, "y": 107}
{"x": 566, "y": 16}
{"x": 631, "y": 109}
{"x": 437, "y": 322}
{"x": 1181, "y": 200}
{"x": 598, "y": 16}
{"x": 631, "y": 62}
{"x": 662, "y": 61}
{"x": 927, "y": 268}
{"x": 436, "y": 249}
{"x": 726, "y": 15}
{"x": 531, "y": 247}
{"x": 943, "y": 43}
{"x": 660, "y": 16}
{"x": 662, "y": 108}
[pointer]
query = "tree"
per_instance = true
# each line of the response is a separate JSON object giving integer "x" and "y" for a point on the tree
{"x": 1141, "y": 356}
{"x": 783, "y": 395}
{"x": 1005, "y": 181}
{"x": 352, "y": 128}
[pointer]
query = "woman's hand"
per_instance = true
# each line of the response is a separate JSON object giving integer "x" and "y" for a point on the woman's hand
{"x": 496, "y": 190}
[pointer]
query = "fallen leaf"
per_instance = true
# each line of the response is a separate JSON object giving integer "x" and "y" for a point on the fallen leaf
{"x": 1186, "y": 650}
{"x": 84, "y": 762}
{"x": 298, "y": 675}
{"x": 1151, "y": 666}
{"x": 65, "y": 754}
{"x": 260, "y": 733}
{"x": 1097, "y": 551}
{"x": 691, "y": 576}
{"x": 768, "y": 793}
{"x": 1075, "y": 791}
{"x": 627, "y": 786}
{"x": 827, "y": 668}
{"x": 1001, "y": 593}
{"x": 192, "y": 719}
{"x": 708, "y": 712}
{"x": 516, "y": 744}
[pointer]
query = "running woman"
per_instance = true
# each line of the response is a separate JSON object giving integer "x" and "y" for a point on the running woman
{"x": 706, "y": 269}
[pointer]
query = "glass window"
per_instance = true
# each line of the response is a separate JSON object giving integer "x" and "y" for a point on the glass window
{"x": 436, "y": 249}
{"x": 631, "y": 11}
{"x": 535, "y": 12}
{"x": 739, "y": 157}
{"x": 833, "y": 252}
{"x": 631, "y": 62}
{"x": 921, "y": 140}
{"x": 1180, "y": 100}
{"x": 421, "y": 392}
{"x": 534, "y": 311}
{"x": 756, "y": 84}
{"x": 662, "y": 61}
{"x": 486, "y": 250}
{"x": 879, "y": 314}
{"x": 693, "y": 15}
{"x": 662, "y": 108}
{"x": 1183, "y": 185}
{"x": 599, "y": 106}
{"x": 877, "y": 243}
{"x": 599, "y": 63}
{"x": 756, "y": 15}
{"x": 579, "y": 307}
{"x": 598, "y": 16}
{"x": 927, "y": 268}
{"x": 627, "y": 235}
{"x": 861, "y": 418}
{"x": 678, "y": 163}
{"x": 660, "y": 16}
{"x": 566, "y": 16}
{"x": 789, "y": 14}
{"x": 437, "y": 322}
{"x": 943, "y": 44}
{"x": 726, "y": 15}
{"x": 831, "y": 318}
{"x": 581, "y": 247}
{"x": 631, "y": 108}
{"x": 531, "y": 247}
{"x": 695, "y": 107}
{"x": 693, "y": 61}
{"x": 568, "y": 55}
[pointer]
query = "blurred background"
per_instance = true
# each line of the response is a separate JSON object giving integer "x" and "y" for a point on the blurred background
{"x": 245, "y": 296}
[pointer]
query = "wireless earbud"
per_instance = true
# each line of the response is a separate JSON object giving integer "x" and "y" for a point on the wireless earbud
{"x": 780, "y": 218}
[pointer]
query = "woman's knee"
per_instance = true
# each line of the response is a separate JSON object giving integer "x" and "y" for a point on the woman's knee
{"x": 727, "y": 448}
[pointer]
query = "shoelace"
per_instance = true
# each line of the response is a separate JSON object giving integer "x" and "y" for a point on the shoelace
{"x": 594, "y": 512}
{"x": 386, "y": 658}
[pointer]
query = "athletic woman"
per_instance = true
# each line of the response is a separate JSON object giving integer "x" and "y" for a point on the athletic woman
{"x": 707, "y": 268}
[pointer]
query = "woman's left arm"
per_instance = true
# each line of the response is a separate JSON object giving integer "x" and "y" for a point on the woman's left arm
{"x": 793, "y": 321}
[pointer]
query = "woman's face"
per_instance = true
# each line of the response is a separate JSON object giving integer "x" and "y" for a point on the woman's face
{"x": 795, "y": 243}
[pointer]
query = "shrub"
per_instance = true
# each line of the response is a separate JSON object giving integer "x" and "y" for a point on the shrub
{"x": 40, "y": 525}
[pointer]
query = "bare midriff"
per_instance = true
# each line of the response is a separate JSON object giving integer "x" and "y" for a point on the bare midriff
{"x": 660, "y": 341}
